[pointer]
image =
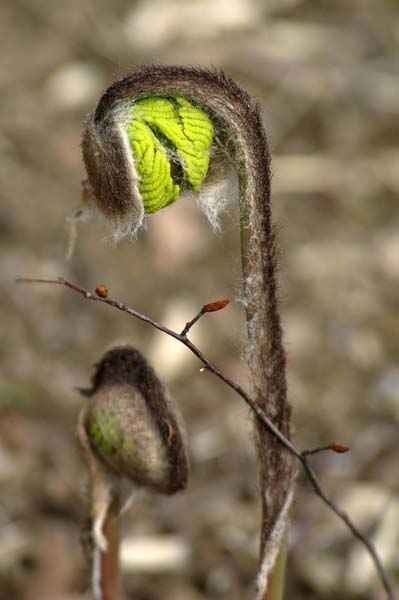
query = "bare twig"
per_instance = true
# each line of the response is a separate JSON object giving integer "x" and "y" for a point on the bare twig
{"x": 211, "y": 307}
{"x": 301, "y": 456}
{"x": 339, "y": 448}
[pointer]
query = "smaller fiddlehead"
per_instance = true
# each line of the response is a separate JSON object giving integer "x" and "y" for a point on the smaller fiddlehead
{"x": 131, "y": 428}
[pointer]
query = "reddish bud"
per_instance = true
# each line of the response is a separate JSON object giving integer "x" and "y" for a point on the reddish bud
{"x": 340, "y": 448}
{"x": 101, "y": 290}
{"x": 213, "y": 306}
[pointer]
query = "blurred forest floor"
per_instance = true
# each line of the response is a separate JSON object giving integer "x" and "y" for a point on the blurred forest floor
{"x": 324, "y": 75}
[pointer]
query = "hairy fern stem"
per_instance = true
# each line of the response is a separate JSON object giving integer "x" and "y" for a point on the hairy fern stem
{"x": 240, "y": 138}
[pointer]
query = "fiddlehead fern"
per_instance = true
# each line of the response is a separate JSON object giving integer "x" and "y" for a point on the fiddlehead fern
{"x": 114, "y": 184}
{"x": 132, "y": 429}
{"x": 133, "y": 423}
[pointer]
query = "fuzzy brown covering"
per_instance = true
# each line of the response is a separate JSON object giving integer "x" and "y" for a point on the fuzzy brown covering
{"x": 125, "y": 365}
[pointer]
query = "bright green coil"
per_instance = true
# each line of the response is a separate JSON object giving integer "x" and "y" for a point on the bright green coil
{"x": 162, "y": 128}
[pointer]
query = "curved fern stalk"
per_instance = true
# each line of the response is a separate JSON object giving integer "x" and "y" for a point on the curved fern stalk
{"x": 114, "y": 185}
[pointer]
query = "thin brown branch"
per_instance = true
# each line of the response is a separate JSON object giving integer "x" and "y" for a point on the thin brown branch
{"x": 188, "y": 325}
{"x": 338, "y": 448}
{"x": 207, "y": 308}
{"x": 302, "y": 457}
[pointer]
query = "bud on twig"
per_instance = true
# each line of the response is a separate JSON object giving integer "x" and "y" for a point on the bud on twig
{"x": 339, "y": 448}
{"x": 102, "y": 290}
{"x": 214, "y": 306}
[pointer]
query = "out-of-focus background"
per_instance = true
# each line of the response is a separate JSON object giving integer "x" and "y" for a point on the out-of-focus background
{"x": 323, "y": 75}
